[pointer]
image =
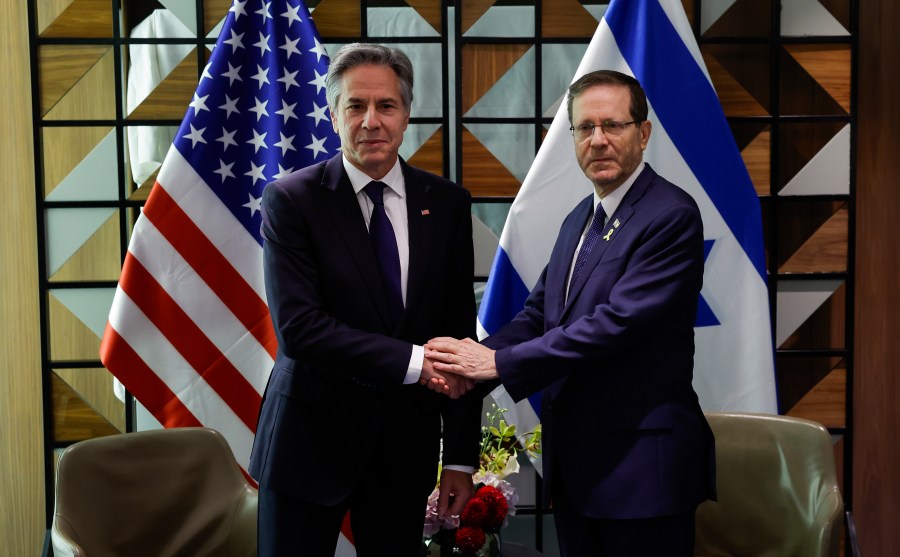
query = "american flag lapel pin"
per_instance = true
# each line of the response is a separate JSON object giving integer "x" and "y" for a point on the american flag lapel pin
{"x": 425, "y": 212}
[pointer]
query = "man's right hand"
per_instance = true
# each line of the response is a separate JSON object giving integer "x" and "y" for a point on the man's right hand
{"x": 449, "y": 384}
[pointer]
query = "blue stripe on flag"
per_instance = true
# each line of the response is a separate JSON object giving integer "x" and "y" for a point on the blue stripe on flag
{"x": 504, "y": 295}
{"x": 671, "y": 78}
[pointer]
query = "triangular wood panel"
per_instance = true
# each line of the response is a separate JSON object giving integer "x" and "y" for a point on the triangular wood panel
{"x": 829, "y": 65}
{"x": 823, "y": 252}
{"x": 800, "y": 92}
{"x": 95, "y": 387}
{"x": 215, "y": 11}
{"x": 756, "y": 157}
{"x": 75, "y": 18}
{"x": 430, "y": 10}
{"x": 744, "y": 18}
{"x": 483, "y": 65}
{"x": 93, "y": 97}
{"x": 430, "y": 155}
{"x": 70, "y": 338}
{"x": 337, "y": 18}
{"x": 566, "y": 18}
{"x": 73, "y": 418}
{"x": 171, "y": 97}
{"x": 96, "y": 259}
{"x": 63, "y": 66}
{"x": 483, "y": 174}
{"x": 734, "y": 98}
{"x": 65, "y": 148}
{"x": 472, "y": 11}
{"x": 825, "y": 403}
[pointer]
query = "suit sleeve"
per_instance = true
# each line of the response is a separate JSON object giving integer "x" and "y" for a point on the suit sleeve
{"x": 462, "y": 417}
{"x": 305, "y": 330}
{"x": 660, "y": 279}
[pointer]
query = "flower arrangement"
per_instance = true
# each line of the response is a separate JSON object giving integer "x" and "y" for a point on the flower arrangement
{"x": 475, "y": 532}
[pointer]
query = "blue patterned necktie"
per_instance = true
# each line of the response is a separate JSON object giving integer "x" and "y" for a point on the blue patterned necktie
{"x": 385, "y": 243}
{"x": 590, "y": 240}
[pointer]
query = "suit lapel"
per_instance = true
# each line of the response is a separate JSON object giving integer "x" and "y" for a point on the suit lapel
{"x": 569, "y": 236}
{"x": 421, "y": 234}
{"x": 611, "y": 232}
{"x": 342, "y": 205}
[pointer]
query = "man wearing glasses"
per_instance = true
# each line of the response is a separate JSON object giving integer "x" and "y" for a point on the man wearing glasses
{"x": 607, "y": 337}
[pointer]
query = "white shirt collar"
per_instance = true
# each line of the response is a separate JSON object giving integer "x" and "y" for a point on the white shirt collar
{"x": 612, "y": 200}
{"x": 359, "y": 179}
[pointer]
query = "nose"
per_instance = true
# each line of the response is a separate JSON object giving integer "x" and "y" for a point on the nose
{"x": 598, "y": 137}
{"x": 370, "y": 120}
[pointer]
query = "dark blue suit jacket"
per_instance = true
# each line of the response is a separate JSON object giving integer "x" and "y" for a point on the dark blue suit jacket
{"x": 614, "y": 362}
{"x": 336, "y": 388}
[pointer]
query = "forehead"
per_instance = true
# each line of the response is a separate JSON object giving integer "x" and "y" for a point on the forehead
{"x": 370, "y": 81}
{"x": 611, "y": 102}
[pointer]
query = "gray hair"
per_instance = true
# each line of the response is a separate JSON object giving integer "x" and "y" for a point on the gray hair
{"x": 638, "y": 107}
{"x": 360, "y": 54}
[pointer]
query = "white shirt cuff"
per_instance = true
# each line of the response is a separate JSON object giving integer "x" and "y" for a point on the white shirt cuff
{"x": 416, "y": 361}
{"x": 460, "y": 468}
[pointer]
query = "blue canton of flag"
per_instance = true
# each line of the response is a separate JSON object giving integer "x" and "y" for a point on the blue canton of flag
{"x": 259, "y": 111}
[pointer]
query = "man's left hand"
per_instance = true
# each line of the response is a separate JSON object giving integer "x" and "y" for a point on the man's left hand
{"x": 464, "y": 357}
{"x": 458, "y": 486}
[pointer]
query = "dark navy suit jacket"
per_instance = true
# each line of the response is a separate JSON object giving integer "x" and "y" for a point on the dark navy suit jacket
{"x": 336, "y": 387}
{"x": 621, "y": 422}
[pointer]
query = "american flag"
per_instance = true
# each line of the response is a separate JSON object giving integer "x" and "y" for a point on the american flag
{"x": 189, "y": 333}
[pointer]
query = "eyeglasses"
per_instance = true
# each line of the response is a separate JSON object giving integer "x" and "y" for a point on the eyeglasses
{"x": 609, "y": 127}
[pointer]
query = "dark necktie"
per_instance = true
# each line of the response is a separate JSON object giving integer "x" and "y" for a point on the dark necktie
{"x": 385, "y": 243}
{"x": 590, "y": 240}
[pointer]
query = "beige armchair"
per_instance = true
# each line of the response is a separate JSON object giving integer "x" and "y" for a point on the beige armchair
{"x": 778, "y": 493}
{"x": 161, "y": 493}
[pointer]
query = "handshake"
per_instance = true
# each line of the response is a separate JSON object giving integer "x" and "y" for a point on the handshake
{"x": 453, "y": 367}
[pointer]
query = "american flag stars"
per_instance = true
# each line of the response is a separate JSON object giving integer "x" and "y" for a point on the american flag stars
{"x": 242, "y": 127}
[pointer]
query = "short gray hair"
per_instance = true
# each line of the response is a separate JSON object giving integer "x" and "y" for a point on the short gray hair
{"x": 360, "y": 54}
{"x": 638, "y": 106}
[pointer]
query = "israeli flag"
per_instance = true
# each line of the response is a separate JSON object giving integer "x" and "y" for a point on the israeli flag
{"x": 692, "y": 146}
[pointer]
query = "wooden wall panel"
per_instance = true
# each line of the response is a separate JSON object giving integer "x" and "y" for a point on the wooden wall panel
{"x": 876, "y": 375}
{"x": 22, "y": 523}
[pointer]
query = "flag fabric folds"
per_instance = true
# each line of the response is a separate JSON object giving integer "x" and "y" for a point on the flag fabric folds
{"x": 692, "y": 146}
{"x": 189, "y": 332}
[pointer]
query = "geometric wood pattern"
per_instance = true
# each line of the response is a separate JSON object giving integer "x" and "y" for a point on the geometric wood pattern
{"x": 430, "y": 156}
{"x": 756, "y": 157}
{"x": 740, "y": 75}
{"x": 91, "y": 97}
{"x": 171, "y": 96}
{"x": 483, "y": 175}
{"x": 74, "y": 18}
{"x": 472, "y": 10}
{"x": 734, "y": 98}
{"x": 744, "y": 18}
{"x": 65, "y": 148}
{"x": 430, "y": 10}
{"x": 63, "y": 66}
{"x": 825, "y": 402}
{"x": 829, "y": 65}
{"x": 483, "y": 65}
{"x": 97, "y": 258}
{"x": 214, "y": 11}
{"x": 70, "y": 338}
{"x": 823, "y": 252}
{"x": 337, "y": 18}
{"x": 73, "y": 418}
{"x": 95, "y": 387}
{"x": 801, "y": 93}
{"x": 566, "y": 18}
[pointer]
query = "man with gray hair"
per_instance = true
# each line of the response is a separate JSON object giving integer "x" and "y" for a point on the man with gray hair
{"x": 365, "y": 259}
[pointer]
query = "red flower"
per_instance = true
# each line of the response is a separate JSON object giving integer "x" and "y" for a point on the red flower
{"x": 497, "y": 507}
{"x": 470, "y": 539}
{"x": 475, "y": 513}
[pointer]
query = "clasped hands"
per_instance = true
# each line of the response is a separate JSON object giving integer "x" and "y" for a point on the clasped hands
{"x": 453, "y": 366}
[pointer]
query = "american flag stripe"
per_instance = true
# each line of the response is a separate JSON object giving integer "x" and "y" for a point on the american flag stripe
{"x": 156, "y": 395}
{"x": 188, "y": 339}
{"x": 189, "y": 331}
{"x": 192, "y": 394}
{"x": 196, "y": 198}
{"x": 218, "y": 273}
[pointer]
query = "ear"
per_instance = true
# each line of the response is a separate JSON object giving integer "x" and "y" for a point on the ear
{"x": 334, "y": 122}
{"x": 645, "y": 133}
